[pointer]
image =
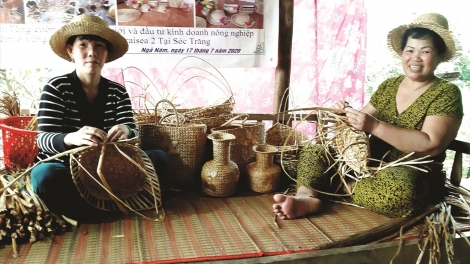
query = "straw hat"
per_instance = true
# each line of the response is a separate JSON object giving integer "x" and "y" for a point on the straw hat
{"x": 216, "y": 17}
{"x": 242, "y": 20}
{"x": 88, "y": 25}
{"x": 200, "y": 22}
{"x": 432, "y": 21}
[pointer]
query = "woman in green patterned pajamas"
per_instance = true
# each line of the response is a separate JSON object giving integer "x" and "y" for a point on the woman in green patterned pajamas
{"x": 416, "y": 112}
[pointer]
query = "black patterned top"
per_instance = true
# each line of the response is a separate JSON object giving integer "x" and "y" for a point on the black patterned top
{"x": 441, "y": 99}
{"x": 64, "y": 108}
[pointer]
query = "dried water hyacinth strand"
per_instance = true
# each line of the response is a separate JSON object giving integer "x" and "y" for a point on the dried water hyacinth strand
{"x": 145, "y": 99}
{"x": 411, "y": 222}
{"x": 440, "y": 226}
{"x": 151, "y": 82}
{"x": 231, "y": 99}
{"x": 32, "y": 124}
{"x": 225, "y": 85}
{"x": 23, "y": 216}
{"x": 188, "y": 57}
{"x": 72, "y": 151}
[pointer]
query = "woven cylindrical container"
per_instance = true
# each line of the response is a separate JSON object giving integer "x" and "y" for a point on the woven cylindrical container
{"x": 264, "y": 175}
{"x": 220, "y": 175}
{"x": 247, "y": 135}
{"x": 183, "y": 143}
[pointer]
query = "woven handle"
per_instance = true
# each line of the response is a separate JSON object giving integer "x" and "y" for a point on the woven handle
{"x": 242, "y": 117}
{"x": 159, "y": 122}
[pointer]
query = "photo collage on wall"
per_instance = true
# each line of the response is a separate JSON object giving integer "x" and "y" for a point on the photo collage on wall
{"x": 152, "y": 13}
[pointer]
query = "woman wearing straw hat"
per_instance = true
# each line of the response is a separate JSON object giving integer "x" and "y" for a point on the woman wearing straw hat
{"x": 81, "y": 108}
{"x": 415, "y": 112}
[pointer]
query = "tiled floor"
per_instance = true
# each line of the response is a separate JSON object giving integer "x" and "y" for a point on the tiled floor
{"x": 175, "y": 17}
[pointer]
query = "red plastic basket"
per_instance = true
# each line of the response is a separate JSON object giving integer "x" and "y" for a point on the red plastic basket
{"x": 19, "y": 145}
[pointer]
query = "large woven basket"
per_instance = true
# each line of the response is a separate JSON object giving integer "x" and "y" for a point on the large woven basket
{"x": 140, "y": 110}
{"x": 248, "y": 134}
{"x": 184, "y": 144}
{"x": 116, "y": 176}
{"x": 212, "y": 116}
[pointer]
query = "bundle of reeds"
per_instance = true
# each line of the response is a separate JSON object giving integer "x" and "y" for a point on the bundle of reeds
{"x": 23, "y": 215}
{"x": 33, "y": 124}
{"x": 10, "y": 104}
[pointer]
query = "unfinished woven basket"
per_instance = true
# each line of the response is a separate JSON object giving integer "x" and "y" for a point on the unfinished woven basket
{"x": 99, "y": 172}
{"x": 352, "y": 146}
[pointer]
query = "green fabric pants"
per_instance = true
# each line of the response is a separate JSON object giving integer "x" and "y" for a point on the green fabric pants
{"x": 395, "y": 192}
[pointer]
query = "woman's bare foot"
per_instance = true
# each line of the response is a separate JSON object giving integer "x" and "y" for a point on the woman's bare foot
{"x": 290, "y": 207}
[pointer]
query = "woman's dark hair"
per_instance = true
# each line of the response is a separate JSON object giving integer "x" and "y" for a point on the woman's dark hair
{"x": 72, "y": 39}
{"x": 424, "y": 33}
{"x": 81, "y": 11}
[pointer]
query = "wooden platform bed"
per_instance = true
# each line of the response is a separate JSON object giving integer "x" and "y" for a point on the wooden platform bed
{"x": 239, "y": 229}
{"x": 376, "y": 253}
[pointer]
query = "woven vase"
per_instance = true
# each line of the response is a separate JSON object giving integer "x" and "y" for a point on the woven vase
{"x": 264, "y": 176}
{"x": 220, "y": 175}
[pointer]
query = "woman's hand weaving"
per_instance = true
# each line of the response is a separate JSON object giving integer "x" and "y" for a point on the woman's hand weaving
{"x": 118, "y": 132}
{"x": 85, "y": 136}
{"x": 361, "y": 121}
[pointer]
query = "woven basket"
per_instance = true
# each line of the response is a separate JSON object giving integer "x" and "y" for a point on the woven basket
{"x": 212, "y": 116}
{"x": 183, "y": 143}
{"x": 99, "y": 171}
{"x": 352, "y": 147}
{"x": 141, "y": 113}
{"x": 289, "y": 142}
{"x": 248, "y": 134}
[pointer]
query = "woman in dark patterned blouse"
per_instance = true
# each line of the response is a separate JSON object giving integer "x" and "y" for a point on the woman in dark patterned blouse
{"x": 416, "y": 112}
{"x": 81, "y": 108}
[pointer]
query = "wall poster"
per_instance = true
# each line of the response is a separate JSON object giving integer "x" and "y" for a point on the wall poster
{"x": 225, "y": 33}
